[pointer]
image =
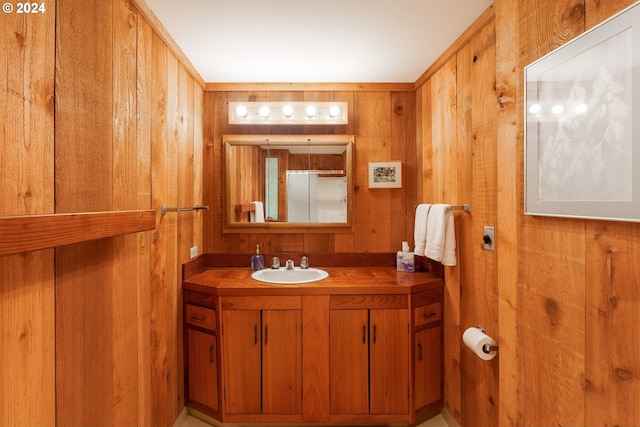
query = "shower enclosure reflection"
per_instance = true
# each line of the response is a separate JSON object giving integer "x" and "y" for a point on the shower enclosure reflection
{"x": 288, "y": 181}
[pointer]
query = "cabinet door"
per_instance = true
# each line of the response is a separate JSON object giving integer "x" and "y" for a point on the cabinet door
{"x": 428, "y": 368}
{"x": 241, "y": 337}
{"x": 203, "y": 368}
{"x": 281, "y": 362}
{"x": 389, "y": 360}
{"x": 348, "y": 361}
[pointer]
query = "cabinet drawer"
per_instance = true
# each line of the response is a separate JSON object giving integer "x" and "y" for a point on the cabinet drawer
{"x": 427, "y": 314}
{"x": 201, "y": 316}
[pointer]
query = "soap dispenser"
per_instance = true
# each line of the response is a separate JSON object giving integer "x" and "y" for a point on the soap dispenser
{"x": 257, "y": 260}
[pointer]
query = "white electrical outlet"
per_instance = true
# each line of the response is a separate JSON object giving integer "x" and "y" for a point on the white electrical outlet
{"x": 193, "y": 252}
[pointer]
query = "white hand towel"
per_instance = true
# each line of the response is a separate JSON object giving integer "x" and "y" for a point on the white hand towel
{"x": 420, "y": 228}
{"x": 257, "y": 215}
{"x": 441, "y": 235}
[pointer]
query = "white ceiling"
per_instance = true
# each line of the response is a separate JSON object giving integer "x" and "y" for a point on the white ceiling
{"x": 316, "y": 41}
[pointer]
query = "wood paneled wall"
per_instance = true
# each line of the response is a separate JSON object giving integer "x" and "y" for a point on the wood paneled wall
{"x": 383, "y": 122}
{"x": 27, "y": 347}
{"x": 559, "y": 294}
{"x": 91, "y": 333}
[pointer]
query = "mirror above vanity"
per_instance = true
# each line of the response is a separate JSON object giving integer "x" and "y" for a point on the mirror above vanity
{"x": 288, "y": 183}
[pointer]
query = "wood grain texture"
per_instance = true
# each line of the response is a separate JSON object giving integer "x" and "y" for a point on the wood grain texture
{"x": 25, "y": 233}
{"x": 84, "y": 182}
{"x": 164, "y": 237}
{"x": 307, "y": 87}
{"x": 613, "y": 309}
{"x": 559, "y": 281}
{"x": 173, "y": 332}
{"x": 444, "y": 187}
{"x": 378, "y": 138}
{"x": 477, "y": 183}
{"x": 282, "y": 362}
{"x": 509, "y": 172}
{"x": 98, "y": 159}
{"x": 596, "y": 11}
{"x": 126, "y": 170}
{"x": 315, "y": 364}
{"x": 27, "y": 281}
{"x": 144, "y": 267}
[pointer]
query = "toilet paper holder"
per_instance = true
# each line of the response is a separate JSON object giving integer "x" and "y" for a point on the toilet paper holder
{"x": 488, "y": 348}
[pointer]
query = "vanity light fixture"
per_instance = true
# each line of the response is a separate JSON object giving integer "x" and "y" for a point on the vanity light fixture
{"x": 287, "y": 110}
{"x": 265, "y": 111}
{"x": 288, "y": 113}
{"x": 241, "y": 111}
{"x": 310, "y": 110}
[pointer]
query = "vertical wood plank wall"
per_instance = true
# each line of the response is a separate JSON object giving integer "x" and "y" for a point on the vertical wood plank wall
{"x": 27, "y": 346}
{"x": 91, "y": 333}
{"x": 384, "y": 126}
{"x": 559, "y": 294}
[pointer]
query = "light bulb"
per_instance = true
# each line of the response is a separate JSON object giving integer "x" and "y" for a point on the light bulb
{"x": 535, "y": 108}
{"x": 265, "y": 111}
{"x": 334, "y": 110}
{"x": 311, "y": 111}
{"x": 581, "y": 108}
{"x": 287, "y": 110}
{"x": 241, "y": 111}
{"x": 557, "y": 109}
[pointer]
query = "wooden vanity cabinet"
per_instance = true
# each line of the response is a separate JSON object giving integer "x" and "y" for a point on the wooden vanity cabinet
{"x": 201, "y": 352}
{"x": 262, "y": 354}
{"x": 368, "y": 355}
{"x": 371, "y": 352}
{"x": 427, "y": 352}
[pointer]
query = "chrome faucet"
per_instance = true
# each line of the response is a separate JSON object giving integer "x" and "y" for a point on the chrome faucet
{"x": 289, "y": 264}
{"x": 275, "y": 262}
{"x": 304, "y": 262}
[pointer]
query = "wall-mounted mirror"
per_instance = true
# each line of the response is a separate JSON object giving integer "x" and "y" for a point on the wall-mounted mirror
{"x": 288, "y": 182}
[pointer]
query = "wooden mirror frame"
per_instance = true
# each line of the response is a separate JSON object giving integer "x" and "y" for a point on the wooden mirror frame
{"x": 230, "y": 141}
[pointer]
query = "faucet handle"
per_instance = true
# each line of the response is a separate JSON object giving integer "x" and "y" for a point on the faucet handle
{"x": 275, "y": 262}
{"x": 304, "y": 262}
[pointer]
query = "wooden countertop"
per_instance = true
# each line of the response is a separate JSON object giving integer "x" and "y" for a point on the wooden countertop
{"x": 341, "y": 280}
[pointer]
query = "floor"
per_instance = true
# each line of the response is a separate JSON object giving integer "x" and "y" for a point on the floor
{"x": 191, "y": 421}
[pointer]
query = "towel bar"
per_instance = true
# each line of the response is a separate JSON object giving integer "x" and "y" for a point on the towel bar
{"x": 165, "y": 209}
{"x": 465, "y": 207}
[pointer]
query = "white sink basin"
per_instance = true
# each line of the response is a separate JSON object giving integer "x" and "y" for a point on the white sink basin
{"x": 297, "y": 275}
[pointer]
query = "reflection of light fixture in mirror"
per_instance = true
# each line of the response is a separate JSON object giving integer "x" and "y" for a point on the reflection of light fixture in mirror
{"x": 241, "y": 111}
{"x": 535, "y": 108}
{"x": 290, "y": 113}
{"x": 581, "y": 108}
{"x": 310, "y": 110}
{"x": 557, "y": 109}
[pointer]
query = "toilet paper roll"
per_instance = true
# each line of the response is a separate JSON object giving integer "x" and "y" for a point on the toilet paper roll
{"x": 476, "y": 339}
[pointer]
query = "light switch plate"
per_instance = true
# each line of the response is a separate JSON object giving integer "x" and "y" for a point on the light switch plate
{"x": 489, "y": 231}
{"x": 193, "y": 252}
